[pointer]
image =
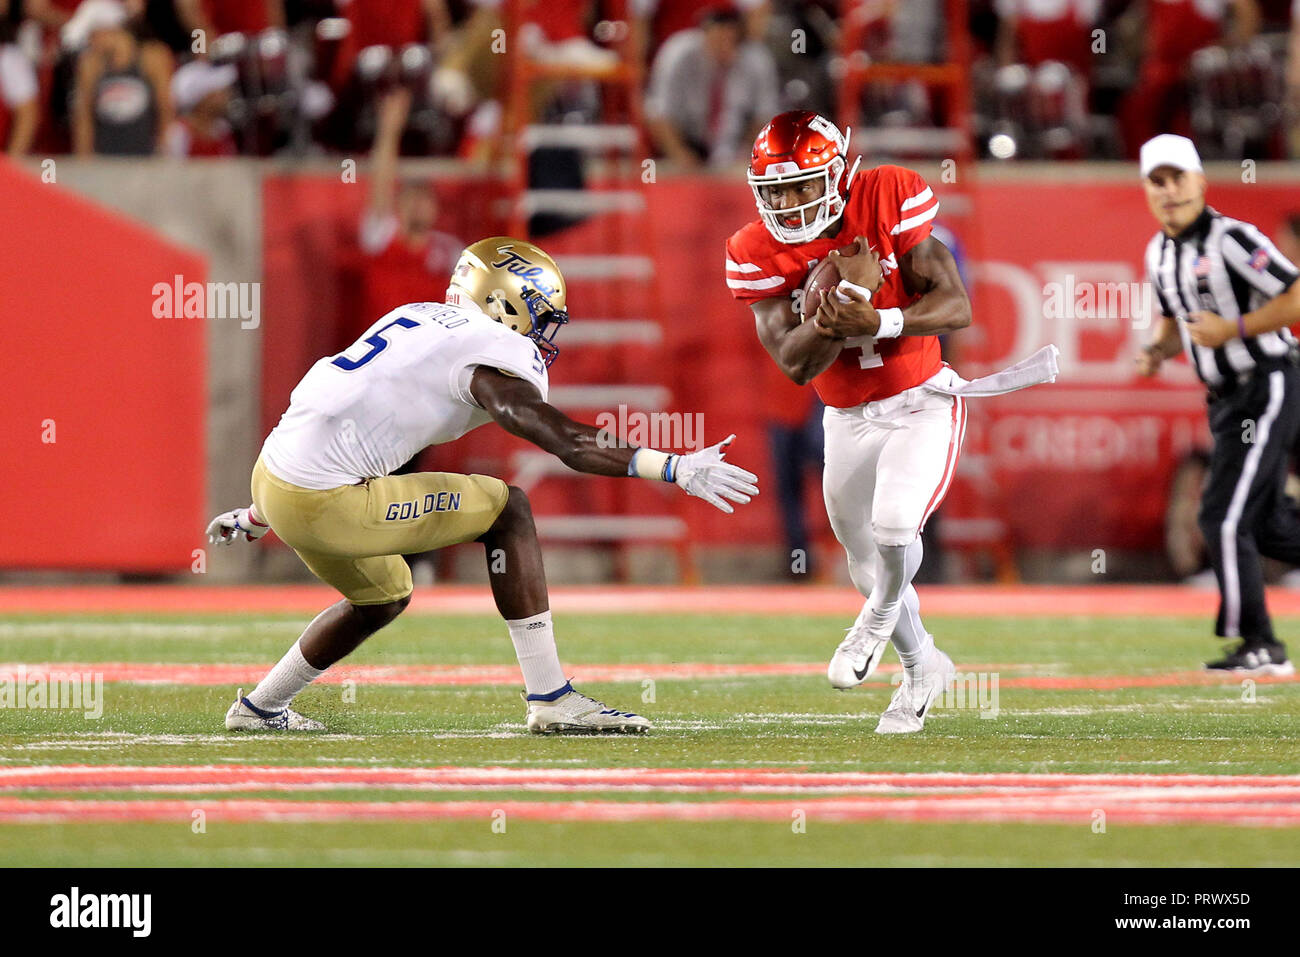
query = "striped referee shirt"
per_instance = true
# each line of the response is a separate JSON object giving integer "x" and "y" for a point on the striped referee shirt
{"x": 1226, "y": 266}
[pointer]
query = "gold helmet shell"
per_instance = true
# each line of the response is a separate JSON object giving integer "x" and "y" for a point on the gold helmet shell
{"x": 515, "y": 283}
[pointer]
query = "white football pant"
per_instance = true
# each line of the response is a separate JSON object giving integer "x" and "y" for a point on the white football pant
{"x": 888, "y": 466}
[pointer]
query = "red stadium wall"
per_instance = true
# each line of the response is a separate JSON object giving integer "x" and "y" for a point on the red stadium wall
{"x": 121, "y": 393}
{"x": 1082, "y": 464}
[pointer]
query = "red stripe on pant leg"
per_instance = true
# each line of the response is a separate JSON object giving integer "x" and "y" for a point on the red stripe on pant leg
{"x": 954, "y": 453}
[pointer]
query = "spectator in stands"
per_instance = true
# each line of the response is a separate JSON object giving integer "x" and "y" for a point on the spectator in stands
{"x": 1293, "y": 84}
{"x": 172, "y": 22}
{"x": 1034, "y": 31}
{"x": 395, "y": 23}
{"x": 45, "y": 12}
{"x": 1173, "y": 31}
{"x": 240, "y": 16}
{"x": 408, "y": 260}
{"x": 662, "y": 18}
{"x": 201, "y": 92}
{"x": 122, "y": 101}
{"x": 710, "y": 91}
{"x": 18, "y": 89}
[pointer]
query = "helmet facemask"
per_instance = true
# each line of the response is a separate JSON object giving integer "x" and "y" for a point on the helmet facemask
{"x": 803, "y": 223}
{"x": 516, "y": 284}
{"x": 544, "y": 320}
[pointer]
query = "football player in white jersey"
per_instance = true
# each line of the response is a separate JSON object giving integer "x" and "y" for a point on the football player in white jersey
{"x": 425, "y": 374}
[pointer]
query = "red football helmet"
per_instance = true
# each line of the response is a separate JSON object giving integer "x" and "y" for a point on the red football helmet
{"x": 793, "y": 149}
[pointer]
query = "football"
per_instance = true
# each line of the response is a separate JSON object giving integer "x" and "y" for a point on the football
{"x": 824, "y": 276}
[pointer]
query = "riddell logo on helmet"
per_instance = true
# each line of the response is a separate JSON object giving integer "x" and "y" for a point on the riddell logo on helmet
{"x": 517, "y": 265}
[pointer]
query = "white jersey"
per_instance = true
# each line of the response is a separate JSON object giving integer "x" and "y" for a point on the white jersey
{"x": 401, "y": 387}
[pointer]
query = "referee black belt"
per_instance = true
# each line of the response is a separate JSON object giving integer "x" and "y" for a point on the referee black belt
{"x": 1235, "y": 384}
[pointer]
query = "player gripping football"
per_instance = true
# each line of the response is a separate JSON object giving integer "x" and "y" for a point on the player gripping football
{"x": 895, "y": 413}
{"x": 425, "y": 374}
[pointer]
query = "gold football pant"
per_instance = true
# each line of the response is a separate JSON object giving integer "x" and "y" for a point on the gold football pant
{"x": 353, "y": 537}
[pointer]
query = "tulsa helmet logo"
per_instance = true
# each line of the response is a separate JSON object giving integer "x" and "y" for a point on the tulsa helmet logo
{"x": 517, "y": 265}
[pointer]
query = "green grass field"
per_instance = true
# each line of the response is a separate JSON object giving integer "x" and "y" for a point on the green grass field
{"x": 743, "y": 721}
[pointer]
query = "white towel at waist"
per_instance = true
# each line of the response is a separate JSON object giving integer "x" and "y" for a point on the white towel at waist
{"x": 1039, "y": 368}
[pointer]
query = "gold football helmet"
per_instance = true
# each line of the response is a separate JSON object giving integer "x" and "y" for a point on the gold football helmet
{"x": 515, "y": 283}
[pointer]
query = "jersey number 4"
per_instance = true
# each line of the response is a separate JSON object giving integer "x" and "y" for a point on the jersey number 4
{"x": 870, "y": 359}
{"x": 377, "y": 344}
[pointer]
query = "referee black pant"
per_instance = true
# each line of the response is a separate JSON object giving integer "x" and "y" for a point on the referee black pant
{"x": 1244, "y": 513}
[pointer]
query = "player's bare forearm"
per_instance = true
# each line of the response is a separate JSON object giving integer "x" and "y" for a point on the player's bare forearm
{"x": 929, "y": 269}
{"x": 797, "y": 348}
{"x": 518, "y": 407}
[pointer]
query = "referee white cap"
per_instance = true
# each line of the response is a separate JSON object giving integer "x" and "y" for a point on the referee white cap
{"x": 1169, "y": 150}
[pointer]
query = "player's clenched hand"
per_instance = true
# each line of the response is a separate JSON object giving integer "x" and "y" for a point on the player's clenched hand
{"x": 862, "y": 268}
{"x": 228, "y": 526}
{"x": 705, "y": 475}
{"x": 1210, "y": 329}
{"x": 837, "y": 319}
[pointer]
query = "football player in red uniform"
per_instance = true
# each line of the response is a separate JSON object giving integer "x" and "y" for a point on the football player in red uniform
{"x": 891, "y": 442}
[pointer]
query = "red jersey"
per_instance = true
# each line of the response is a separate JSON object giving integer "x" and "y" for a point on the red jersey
{"x": 894, "y": 208}
{"x": 386, "y": 22}
{"x": 238, "y": 16}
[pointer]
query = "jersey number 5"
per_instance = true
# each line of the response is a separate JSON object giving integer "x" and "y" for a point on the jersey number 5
{"x": 377, "y": 345}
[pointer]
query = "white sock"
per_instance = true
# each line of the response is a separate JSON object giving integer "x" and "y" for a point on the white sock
{"x": 923, "y": 658}
{"x": 286, "y": 679}
{"x": 534, "y": 640}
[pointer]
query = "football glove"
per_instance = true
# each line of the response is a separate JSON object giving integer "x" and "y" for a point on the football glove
{"x": 705, "y": 475}
{"x": 227, "y": 526}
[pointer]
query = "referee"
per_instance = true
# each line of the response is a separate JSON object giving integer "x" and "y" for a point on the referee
{"x": 1227, "y": 297}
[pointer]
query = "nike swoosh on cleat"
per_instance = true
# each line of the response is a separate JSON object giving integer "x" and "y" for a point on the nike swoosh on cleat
{"x": 862, "y": 675}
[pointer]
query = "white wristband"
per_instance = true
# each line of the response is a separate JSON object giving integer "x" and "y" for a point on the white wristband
{"x": 891, "y": 323}
{"x": 649, "y": 464}
{"x": 846, "y": 286}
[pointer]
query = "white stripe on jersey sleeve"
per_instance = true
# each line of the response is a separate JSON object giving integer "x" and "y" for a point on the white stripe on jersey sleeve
{"x": 743, "y": 267}
{"x": 917, "y": 220}
{"x": 771, "y": 282}
{"x": 920, "y": 199}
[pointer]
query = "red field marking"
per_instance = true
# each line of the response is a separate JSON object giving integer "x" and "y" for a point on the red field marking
{"x": 1272, "y": 801}
{"x": 950, "y": 808}
{"x": 263, "y": 777}
{"x": 433, "y": 675}
{"x": 1099, "y": 601}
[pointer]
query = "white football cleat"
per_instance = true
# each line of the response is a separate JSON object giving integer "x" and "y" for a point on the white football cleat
{"x": 856, "y": 658}
{"x": 912, "y": 701}
{"x": 574, "y": 713}
{"x": 245, "y": 716}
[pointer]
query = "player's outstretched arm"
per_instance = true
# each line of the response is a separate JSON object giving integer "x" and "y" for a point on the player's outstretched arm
{"x": 798, "y": 348}
{"x": 518, "y": 407}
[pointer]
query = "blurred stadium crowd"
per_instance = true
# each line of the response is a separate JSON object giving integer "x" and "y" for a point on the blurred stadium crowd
{"x": 1061, "y": 79}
